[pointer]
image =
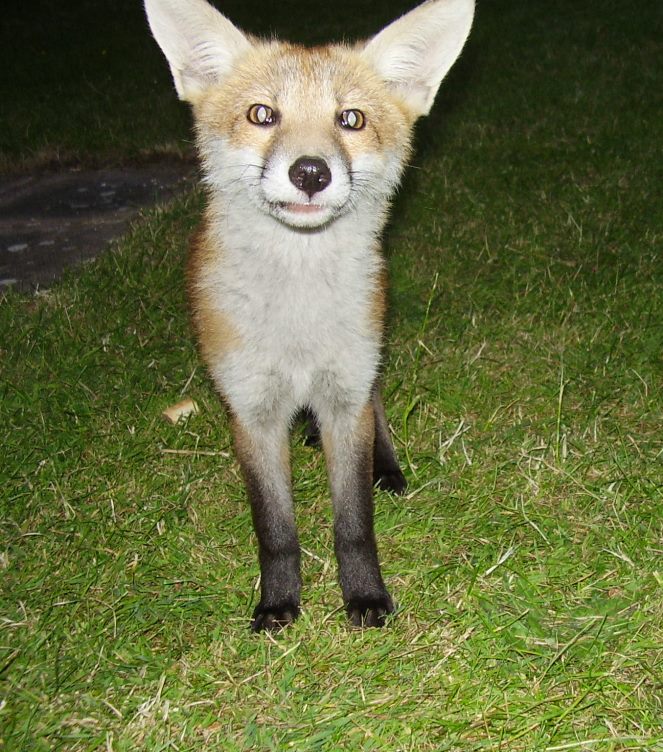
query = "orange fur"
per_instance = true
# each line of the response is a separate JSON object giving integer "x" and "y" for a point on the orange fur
{"x": 216, "y": 332}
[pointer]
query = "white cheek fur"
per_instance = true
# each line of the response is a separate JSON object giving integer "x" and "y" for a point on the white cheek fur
{"x": 244, "y": 174}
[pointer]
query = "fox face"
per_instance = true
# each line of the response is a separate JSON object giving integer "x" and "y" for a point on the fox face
{"x": 304, "y": 136}
{"x": 301, "y": 151}
{"x": 307, "y": 135}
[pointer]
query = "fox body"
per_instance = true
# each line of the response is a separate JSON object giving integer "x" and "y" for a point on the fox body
{"x": 301, "y": 151}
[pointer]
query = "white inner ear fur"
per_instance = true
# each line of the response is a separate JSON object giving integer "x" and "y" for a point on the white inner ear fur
{"x": 414, "y": 53}
{"x": 199, "y": 43}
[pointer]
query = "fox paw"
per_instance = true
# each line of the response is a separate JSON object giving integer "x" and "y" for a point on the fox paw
{"x": 273, "y": 618}
{"x": 390, "y": 480}
{"x": 312, "y": 438}
{"x": 369, "y": 612}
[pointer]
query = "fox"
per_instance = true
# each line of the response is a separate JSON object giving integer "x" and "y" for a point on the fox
{"x": 301, "y": 151}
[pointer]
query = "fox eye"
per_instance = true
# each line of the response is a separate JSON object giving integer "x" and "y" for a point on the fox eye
{"x": 352, "y": 119}
{"x": 261, "y": 114}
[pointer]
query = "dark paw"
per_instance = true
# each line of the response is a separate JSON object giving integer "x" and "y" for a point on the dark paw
{"x": 369, "y": 612}
{"x": 390, "y": 480}
{"x": 312, "y": 437}
{"x": 273, "y": 618}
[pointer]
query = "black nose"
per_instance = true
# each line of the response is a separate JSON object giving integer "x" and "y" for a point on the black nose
{"x": 310, "y": 174}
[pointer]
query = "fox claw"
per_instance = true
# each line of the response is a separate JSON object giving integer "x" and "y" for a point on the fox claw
{"x": 273, "y": 618}
{"x": 369, "y": 612}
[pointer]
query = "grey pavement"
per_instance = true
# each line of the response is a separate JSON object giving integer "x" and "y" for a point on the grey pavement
{"x": 53, "y": 220}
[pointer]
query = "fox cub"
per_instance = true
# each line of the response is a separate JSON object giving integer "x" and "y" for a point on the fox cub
{"x": 301, "y": 151}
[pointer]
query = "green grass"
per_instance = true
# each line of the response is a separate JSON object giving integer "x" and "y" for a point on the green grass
{"x": 524, "y": 381}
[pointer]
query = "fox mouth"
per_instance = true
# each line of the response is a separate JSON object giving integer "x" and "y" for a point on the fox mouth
{"x": 299, "y": 191}
{"x": 302, "y": 208}
{"x": 302, "y": 215}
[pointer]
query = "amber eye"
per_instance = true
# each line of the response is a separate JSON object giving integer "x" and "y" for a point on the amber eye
{"x": 352, "y": 119}
{"x": 261, "y": 114}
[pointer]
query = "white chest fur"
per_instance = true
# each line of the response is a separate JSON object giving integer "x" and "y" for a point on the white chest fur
{"x": 302, "y": 304}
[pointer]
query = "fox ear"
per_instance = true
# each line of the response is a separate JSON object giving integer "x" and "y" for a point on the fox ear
{"x": 414, "y": 53}
{"x": 199, "y": 43}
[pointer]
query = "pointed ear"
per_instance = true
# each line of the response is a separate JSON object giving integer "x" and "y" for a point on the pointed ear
{"x": 199, "y": 43}
{"x": 415, "y": 52}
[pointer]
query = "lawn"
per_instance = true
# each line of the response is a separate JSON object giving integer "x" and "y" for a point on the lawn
{"x": 523, "y": 375}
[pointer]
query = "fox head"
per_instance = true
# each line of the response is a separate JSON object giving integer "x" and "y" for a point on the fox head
{"x": 303, "y": 135}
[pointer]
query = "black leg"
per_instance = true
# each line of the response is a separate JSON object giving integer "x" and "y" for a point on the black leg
{"x": 348, "y": 444}
{"x": 387, "y": 474}
{"x": 311, "y": 428}
{"x": 263, "y": 455}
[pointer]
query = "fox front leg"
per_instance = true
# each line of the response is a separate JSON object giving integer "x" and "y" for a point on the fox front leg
{"x": 263, "y": 454}
{"x": 348, "y": 444}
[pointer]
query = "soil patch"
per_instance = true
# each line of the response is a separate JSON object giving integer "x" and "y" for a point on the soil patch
{"x": 50, "y": 221}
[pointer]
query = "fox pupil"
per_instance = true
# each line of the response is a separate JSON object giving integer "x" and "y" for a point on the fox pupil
{"x": 261, "y": 114}
{"x": 353, "y": 119}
